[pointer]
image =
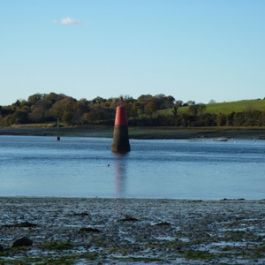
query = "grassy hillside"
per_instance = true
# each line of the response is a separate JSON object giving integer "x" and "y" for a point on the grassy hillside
{"x": 228, "y": 107}
{"x": 236, "y": 106}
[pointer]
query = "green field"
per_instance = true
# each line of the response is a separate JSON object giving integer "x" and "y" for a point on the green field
{"x": 235, "y": 106}
{"x": 227, "y": 107}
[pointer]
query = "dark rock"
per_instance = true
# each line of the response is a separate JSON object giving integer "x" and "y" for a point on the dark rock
{"x": 1, "y": 248}
{"x": 129, "y": 218}
{"x": 82, "y": 214}
{"x": 24, "y": 224}
{"x": 163, "y": 224}
{"x": 89, "y": 230}
{"x": 27, "y": 224}
{"x": 22, "y": 242}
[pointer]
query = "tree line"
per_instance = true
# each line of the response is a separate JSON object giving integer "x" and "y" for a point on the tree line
{"x": 146, "y": 110}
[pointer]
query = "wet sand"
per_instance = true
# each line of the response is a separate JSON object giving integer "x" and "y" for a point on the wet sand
{"x": 132, "y": 231}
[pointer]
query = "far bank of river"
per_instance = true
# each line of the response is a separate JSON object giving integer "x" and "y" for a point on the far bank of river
{"x": 141, "y": 132}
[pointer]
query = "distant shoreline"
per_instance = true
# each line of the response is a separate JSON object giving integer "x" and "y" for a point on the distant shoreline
{"x": 142, "y": 132}
{"x": 56, "y": 199}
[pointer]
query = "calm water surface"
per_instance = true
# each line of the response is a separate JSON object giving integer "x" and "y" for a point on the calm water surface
{"x": 85, "y": 167}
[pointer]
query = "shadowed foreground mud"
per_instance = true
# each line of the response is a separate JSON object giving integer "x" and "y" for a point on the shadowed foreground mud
{"x": 109, "y": 231}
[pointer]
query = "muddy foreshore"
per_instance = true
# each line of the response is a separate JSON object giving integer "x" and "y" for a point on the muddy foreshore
{"x": 141, "y": 132}
{"x": 132, "y": 231}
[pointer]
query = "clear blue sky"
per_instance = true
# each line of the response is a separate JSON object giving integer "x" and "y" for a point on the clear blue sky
{"x": 191, "y": 49}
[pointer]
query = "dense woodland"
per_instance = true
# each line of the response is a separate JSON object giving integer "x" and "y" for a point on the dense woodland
{"x": 146, "y": 110}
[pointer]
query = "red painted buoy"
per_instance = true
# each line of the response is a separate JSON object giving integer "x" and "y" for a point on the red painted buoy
{"x": 120, "y": 135}
{"x": 121, "y": 117}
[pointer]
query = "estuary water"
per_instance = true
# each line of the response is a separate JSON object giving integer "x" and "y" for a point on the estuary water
{"x": 173, "y": 169}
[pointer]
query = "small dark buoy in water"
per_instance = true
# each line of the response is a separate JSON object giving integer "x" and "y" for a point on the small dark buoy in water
{"x": 120, "y": 135}
{"x": 58, "y": 127}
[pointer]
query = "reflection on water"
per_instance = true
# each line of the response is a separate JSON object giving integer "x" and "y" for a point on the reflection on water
{"x": 86, "y": 167}
{"x": 120, "y": 174}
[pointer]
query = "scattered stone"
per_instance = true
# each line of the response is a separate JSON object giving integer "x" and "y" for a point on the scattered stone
{"x": 89, "y": 230}
{"x": 82, "y": 214}
{"x": 176, "y": 232}
{"x": 24, "y": 224}
{"x": 22, "y": 242}
{"x": 129, "y": 218}
{"x": 163, "y": 224}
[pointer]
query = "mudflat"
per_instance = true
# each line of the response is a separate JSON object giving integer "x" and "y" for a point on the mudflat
{"x": 131, "y": 231}
{"x": 141, "y": 132}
